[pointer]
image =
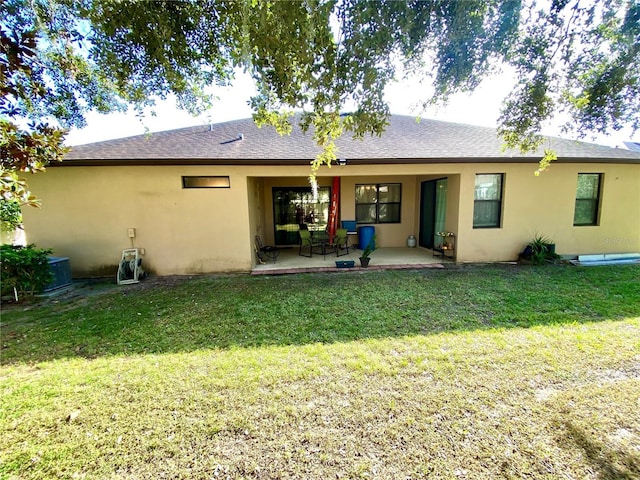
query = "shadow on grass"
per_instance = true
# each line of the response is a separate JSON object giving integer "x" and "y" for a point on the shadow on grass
{"x": 611, "y": 464}
{"x": 178, "y": 315}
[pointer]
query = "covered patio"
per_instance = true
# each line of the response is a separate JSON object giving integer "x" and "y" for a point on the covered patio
{"x": 386, "y": 258}
{"x": 395, "y": 207}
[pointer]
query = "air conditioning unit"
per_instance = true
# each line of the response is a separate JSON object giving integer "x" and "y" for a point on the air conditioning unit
{"x": 61, "y": 273}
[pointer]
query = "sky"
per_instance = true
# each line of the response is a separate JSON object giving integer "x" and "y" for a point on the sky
{"x": 481, "y": 108}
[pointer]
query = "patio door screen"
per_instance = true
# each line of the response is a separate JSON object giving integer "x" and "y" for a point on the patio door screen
{"x": 293, "y": 206}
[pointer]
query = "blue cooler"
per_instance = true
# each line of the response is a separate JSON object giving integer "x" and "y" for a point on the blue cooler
{"x": 350, "y": 225}
{"x": 365, "y": 236}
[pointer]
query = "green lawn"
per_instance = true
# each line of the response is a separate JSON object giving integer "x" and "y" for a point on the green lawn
{"x": 463, "y": 373}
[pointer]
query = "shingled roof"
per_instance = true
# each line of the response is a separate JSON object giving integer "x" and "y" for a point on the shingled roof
{"x": 241, "y": 142}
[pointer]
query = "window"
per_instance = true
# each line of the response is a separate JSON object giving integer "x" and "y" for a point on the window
{"x": 587, "y": 199}
{"x": 205, "y": 182}
{"x": 487, "y": 207}
{"x": 378, "y": 203}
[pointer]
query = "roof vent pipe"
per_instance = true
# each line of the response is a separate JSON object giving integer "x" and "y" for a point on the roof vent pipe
{"x": 241, "y": 136}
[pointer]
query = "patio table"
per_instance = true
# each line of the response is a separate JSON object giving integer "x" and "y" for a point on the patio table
{"x": 322, "y": 237}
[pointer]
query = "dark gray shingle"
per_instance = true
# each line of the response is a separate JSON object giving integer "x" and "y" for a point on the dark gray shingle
{"x": 405, "y": 140}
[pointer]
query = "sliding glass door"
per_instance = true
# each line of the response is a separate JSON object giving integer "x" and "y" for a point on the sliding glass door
{"x": 433, "y": 210}
{"x": 294, "y": 206}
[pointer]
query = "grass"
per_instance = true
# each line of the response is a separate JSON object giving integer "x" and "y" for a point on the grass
{"x": 482, "y": 372}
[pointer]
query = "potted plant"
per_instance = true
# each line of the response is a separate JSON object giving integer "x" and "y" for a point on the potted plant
{"x": 366, "y": 253}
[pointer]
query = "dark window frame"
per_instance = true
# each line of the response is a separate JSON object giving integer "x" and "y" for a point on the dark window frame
{"x": 190, "y": 181}
{"x": 377, "y": 203}
{"x": 283, "y": 217}
{"x": 595, "y": 201}
{"x": 499, "y": 201}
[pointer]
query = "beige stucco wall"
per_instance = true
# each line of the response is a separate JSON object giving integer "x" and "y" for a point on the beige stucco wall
{"x": 255, "y": 194}
{"x": 545, "y": 205}
{"x": 86, "y": 212}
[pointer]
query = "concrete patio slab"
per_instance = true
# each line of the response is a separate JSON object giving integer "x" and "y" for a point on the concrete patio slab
{"x": 290, "y": 262}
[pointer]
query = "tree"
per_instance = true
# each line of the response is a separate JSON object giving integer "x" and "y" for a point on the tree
{"x": 61, "y": 58}
{"x": 42, "y": 77}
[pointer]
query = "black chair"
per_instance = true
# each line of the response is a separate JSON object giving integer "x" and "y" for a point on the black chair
{"x": 266, "y": 251}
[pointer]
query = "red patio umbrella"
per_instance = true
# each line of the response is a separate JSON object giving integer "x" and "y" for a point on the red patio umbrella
{"x": 333, "y": 208}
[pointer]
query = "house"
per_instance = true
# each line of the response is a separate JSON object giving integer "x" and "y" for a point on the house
{"x": 193, "y": 199}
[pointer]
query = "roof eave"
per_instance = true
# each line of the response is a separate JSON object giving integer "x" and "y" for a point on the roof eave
{"x": 110, "y": 162}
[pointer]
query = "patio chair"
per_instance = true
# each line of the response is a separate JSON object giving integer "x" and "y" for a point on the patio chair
{"x": 352, "y": 229}
{"x": 307, "y": 241}
{"x": 266, "y": 251}
{"x": 341, "y": 242}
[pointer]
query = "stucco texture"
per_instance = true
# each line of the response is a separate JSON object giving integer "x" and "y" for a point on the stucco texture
{"x": 87, "y": 210}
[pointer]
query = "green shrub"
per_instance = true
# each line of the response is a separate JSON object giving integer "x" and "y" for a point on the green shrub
{"x": 540, "y": 250}
{"x": 10, "y": 215}
{"x": 24, "y": 268}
